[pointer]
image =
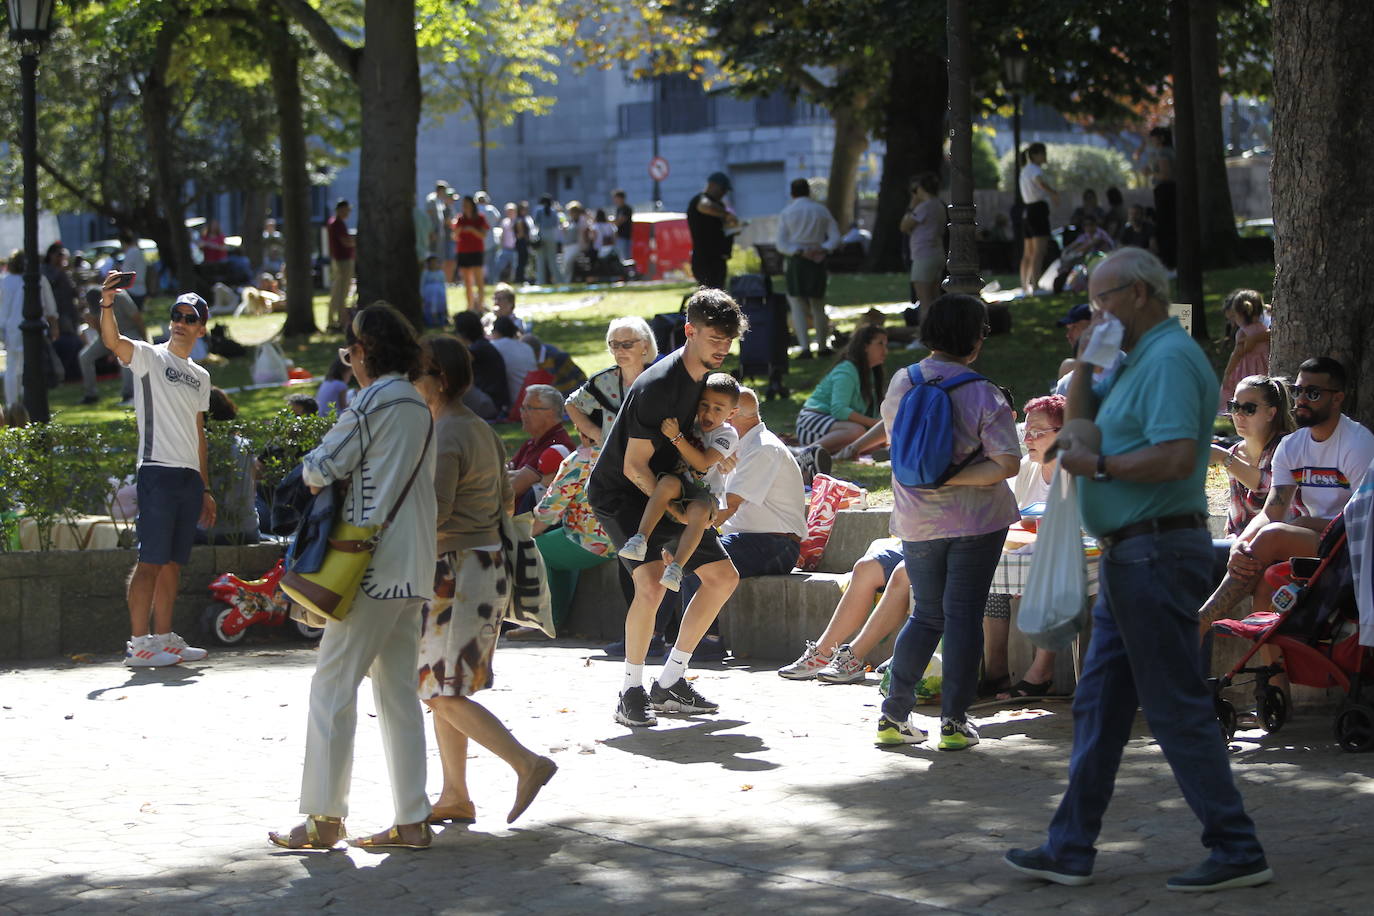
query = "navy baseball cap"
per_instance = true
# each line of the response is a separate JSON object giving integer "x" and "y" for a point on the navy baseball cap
{"x": 721, "y": 179}
{"x": 195, "y": 302}
{"x": 1080, "y": 312}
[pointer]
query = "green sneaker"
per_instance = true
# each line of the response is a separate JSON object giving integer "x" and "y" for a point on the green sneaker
{"x": 895, "y": 733}
{"x": 957, "y": 736}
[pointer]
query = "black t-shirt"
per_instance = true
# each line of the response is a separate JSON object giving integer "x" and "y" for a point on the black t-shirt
{"x": 625, "y": 212}
{"x": 708, "y": 232}
{"x": 489, "y": 373}
{"x": 1137, "y": 237}
{"x": 663, "y": 390}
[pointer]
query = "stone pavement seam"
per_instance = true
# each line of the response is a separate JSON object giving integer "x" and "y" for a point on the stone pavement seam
{"x": 773, "y": 873}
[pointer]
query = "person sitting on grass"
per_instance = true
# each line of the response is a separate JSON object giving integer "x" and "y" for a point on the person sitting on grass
{"x": 845, "y": 403}
{"x": 692, "y": 492}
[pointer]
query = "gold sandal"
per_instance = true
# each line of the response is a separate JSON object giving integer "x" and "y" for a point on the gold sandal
{"x": 313, "y": 840}
{"x": 391, "y": 839}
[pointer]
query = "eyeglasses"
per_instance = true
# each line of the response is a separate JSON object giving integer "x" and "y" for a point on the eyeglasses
{"x": 185, "y": 318}
{"x": 1237, "y": 407}
{"x": 346, "y": 357}
{"x": 1097, "y": 300}
{"x": 624, "y": 344}
{"x": 1313, "y": 393}
{"x": 1032, "y": 435}
{"x": 525, "y": 408}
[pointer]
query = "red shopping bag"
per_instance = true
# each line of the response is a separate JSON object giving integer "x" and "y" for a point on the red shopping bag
{"x": 828, "y": 496}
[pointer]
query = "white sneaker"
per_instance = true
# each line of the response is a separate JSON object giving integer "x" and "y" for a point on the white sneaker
{"x": 147, "y": 652}
{"x": 806, "y": 667}
{"x": 672, "y": 577}
{"x": 174, "y": 644}
{"x": 636, "y": 548}
{"x": 844, "y": 668}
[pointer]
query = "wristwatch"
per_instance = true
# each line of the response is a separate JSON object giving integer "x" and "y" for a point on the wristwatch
{"x": 1101, "y": 476}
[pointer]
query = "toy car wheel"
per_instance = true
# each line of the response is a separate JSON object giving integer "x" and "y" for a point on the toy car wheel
{"x": 212, "y": 622}
{"x": 1226, "y": 718}
{"x": 306, "y": 631}
{"x": 1273, "y": 708}
{"x": 1355, "y": 728}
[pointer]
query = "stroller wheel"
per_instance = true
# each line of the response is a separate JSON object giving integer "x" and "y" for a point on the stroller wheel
{"x": 1355, "y": 728}
{"x": 1273, "y": 708}
{"x": 1226, "y": 718}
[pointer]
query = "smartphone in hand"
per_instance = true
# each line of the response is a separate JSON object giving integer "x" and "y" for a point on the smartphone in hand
{"x": 124, "y": 280}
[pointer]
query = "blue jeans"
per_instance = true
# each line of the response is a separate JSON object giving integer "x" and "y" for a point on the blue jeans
{"x": 504, "y": 258}
{"x": 753, "y": 555}
{"x": 950, "y": 578}
{"x": 1144, "y": 652}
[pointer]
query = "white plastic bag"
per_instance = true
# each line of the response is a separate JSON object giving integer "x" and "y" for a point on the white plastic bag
{"x": 269, "y": 367}
{"x": 1054, "y": 604}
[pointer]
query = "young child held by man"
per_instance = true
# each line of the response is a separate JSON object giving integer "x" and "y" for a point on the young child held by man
{"x": 694, "y": 487}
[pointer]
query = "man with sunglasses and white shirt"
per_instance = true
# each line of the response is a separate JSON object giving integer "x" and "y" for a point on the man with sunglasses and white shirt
{"x": 171, "y": 396}
{"x": 1316, "y": 469}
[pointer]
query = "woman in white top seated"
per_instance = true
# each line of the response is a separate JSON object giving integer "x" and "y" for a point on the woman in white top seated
{"x": 1044, "y": 417}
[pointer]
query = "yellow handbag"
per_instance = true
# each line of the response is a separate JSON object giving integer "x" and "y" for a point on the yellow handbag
{"x": 327, "y": 594}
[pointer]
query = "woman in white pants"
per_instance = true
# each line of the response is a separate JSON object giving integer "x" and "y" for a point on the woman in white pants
{"x": 377, "y": 444}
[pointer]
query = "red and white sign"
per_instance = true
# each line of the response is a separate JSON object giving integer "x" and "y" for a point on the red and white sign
{"x": 658, "y": 168}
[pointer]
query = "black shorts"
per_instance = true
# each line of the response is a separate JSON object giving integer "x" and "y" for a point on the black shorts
{"x": 470, "y": 258}
{"x": 1036, "y": 223}
{"x": 621, "y": 518}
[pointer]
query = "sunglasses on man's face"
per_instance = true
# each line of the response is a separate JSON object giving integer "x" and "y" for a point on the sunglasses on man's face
{"x": 1237, "y": 407}
{"x": 185, "y": 318}
{"x": 1312, "y": 393}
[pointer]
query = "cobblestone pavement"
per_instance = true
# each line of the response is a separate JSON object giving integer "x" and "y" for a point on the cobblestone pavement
{"x": 153, "y": 790}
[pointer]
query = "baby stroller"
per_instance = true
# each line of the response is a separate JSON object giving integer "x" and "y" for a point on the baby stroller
{"x": 1314, "y": 624}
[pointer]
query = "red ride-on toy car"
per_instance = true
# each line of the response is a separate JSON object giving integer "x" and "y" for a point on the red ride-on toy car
{"x": 242, "y": 603}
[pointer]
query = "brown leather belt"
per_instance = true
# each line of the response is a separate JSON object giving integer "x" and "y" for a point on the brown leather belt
{"x": 1153, "y": 526}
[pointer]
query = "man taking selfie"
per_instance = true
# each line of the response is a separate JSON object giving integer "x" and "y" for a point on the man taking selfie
{"x": 171, "y": 396}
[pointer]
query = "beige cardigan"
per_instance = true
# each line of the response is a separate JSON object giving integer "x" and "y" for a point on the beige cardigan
{"x": 470, "y": 482}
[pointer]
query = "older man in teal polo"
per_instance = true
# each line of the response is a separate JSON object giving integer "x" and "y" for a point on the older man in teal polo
{"x": 1143, "y": 496}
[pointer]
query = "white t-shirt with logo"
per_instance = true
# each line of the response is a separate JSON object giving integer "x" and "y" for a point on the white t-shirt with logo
{"x": 724, "y": 439}
{"x": 1325, "y": 473}
{"x": 168, "y": 393}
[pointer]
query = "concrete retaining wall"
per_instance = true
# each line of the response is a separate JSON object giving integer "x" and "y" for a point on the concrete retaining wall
{"x": 62, "y": 601}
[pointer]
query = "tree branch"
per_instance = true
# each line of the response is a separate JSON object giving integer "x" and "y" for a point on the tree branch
{"x": 72, "y": 188}
{"x": 344, "y": 55}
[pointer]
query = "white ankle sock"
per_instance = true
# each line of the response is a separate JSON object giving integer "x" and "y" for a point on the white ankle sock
{"x": 674, "y": 668}
{"x": 634, "y": 677}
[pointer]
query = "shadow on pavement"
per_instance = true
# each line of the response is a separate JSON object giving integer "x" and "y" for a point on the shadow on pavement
{"x": 695, "y": 743}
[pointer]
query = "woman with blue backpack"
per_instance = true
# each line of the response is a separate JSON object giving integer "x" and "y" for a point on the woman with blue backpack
{"x": 954, "y": 445}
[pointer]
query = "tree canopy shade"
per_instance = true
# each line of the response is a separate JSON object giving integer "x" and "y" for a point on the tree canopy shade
{"x": 1322, "y": 187}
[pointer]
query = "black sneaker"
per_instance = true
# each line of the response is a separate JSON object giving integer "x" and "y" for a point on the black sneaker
{"x": 633, "y": 709}
{"x": 1038, "y": 864}
{"x": 681, "y": 697}
{"x": 1217, "y": 876}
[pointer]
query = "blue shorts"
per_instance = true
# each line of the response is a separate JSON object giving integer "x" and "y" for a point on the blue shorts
{"x": 889, "y": 559}
{"x": 169, "y": 503}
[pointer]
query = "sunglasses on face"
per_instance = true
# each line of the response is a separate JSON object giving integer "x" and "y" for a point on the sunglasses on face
{"x": 1237, "y": 407}
{"x": 624, "y": 344}
{"x": 1313, "y": 393}
{"x": 185, "y": 318}
{"x": 1032, "y": 435}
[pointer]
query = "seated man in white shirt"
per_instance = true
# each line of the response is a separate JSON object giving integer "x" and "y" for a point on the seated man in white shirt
{"x": 764, "y": 517}
{"x": 1316, "y": 469}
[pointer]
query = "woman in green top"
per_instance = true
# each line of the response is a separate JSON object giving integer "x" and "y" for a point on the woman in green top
{"x": 845, "y": 403}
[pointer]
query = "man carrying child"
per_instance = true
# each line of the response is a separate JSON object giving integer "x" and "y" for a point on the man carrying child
{"x": 636, "y": 452}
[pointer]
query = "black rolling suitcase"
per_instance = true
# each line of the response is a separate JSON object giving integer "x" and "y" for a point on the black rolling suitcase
{"x": 763, "y": 350}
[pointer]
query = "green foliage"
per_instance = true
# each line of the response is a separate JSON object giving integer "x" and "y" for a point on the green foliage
{"x": 984, "y": 161}
{"x": 56, "y": 473}
{"x": 1071, "y": 168}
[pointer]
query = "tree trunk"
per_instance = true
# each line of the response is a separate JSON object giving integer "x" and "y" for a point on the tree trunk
{"x": 482, "y": 151}
{"x": 1216, "y": 218}
{"x": 250, "y": 229}
{"x": 389, "y": 77}
{"x": 297, "y": 233}
{"x": 851, "y": 139}
{"x": 917, "y": 96}
{"x": 1322, "y": 184}
{"x": 157, "y": 127}
{"x": 1185, "y": 167}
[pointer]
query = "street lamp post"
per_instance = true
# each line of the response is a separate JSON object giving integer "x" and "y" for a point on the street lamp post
{"x": 30, "y": 22}
{"x": 963, "y": 242}
{"x": 1014, "y": 72}
{"x": 653, "y": 112}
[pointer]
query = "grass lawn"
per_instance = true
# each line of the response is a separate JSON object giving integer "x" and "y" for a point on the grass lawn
{"x": 1024, "y": 361}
